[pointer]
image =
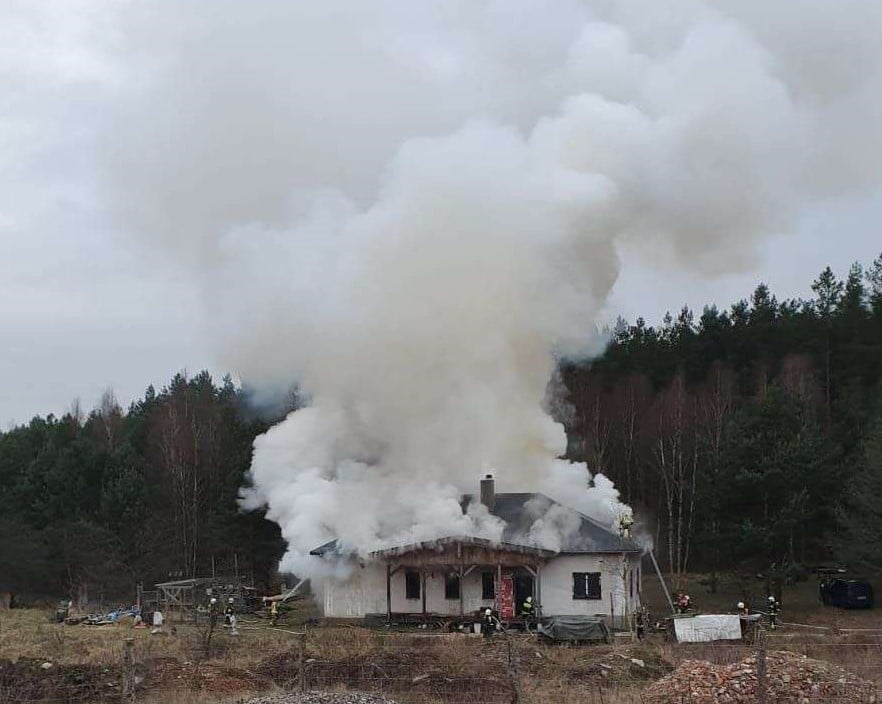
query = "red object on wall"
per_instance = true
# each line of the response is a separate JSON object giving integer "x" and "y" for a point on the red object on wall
{"x": 505, "y": 605}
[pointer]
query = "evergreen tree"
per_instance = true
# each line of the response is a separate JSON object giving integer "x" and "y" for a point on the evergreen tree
{"x": 828, "y": 290}
{"x": 860, "y": 515}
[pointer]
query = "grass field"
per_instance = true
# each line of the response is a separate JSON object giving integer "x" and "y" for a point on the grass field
{"x": 426, "y": 668}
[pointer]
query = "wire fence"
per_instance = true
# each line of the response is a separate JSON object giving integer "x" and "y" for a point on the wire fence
{"x": 32, "y": 680}
{"x": 453, "y": 668}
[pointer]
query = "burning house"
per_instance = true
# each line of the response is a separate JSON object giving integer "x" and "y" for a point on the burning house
{"x": 593, "y": 571}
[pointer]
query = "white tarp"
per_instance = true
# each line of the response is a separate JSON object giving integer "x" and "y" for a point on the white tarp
{"x": 701, "y": 629}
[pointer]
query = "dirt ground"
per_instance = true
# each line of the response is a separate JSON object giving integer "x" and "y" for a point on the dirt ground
{"x": 85, "y": 663}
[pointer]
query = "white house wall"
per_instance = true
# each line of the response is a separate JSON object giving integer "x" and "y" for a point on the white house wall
{"x": 364, "y": 592}
{"x": 556, "y": 595}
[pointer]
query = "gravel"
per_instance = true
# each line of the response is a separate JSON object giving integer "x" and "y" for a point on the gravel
{"x": 322, "y": 698}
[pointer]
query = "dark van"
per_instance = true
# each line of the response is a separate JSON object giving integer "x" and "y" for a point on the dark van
{"x": 849, "y": 594}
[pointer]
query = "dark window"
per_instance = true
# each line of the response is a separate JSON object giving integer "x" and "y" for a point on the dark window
{"x": 451, "y": 586}
{"x": 488, "y": 585}
{"x": 586, "y": 585}
{"x": 411, "y": 585}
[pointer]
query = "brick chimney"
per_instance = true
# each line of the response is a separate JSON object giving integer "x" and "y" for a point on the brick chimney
{"x": 488, "y": 492}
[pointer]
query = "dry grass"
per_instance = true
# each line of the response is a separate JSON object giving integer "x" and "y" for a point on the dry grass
{"x": 27, "y": 633}
{"x": 444, "y": 667}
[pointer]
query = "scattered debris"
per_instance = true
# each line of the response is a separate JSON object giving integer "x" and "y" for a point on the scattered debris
{"x": 121, "y": 615}
{"x": 790, "y": 678}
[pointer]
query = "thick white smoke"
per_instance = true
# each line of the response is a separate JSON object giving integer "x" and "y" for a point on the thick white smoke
{"x": 411, "y": 209}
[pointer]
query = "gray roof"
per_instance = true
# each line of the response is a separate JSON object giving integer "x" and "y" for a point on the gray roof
{"x": 528, "y": 515}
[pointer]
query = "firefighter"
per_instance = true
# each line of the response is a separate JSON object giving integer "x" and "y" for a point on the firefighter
{"x": 528, "y": 611}
{"x": 625, "y": 524}
{"x": 682, "y": 603}
{"x": 274, "y": 612}
{"x": 774, "y": 608}
{"x": 641, "y": 618}
{"x": 743, "y": 614}
{"x": 228, "y": 612}
{"x": 212, "y": 612}
{"x": 489, "y": 623}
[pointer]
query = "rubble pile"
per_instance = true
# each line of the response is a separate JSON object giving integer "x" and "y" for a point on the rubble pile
{"x": 322, "y": 698}
{"x": 789, "y": 678}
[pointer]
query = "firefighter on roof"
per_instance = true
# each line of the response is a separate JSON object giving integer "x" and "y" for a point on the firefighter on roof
{"x": 625, "y": 523}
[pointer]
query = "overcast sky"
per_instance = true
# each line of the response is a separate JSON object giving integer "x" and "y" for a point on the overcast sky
{"x": 85, "y": 306}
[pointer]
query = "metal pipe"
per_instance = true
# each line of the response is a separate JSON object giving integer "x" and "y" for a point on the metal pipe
{"x": 389, "y": 593}
{"x": 662, "y": 580}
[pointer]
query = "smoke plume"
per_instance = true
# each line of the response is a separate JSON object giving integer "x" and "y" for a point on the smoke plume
{"x": 413, "y": 211}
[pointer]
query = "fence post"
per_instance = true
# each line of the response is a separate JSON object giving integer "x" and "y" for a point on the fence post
{"x": 128, "y": 683}
{"x": 516, "y": 694}
{"x": 301, "y": 661}
{"x": 761, "y": 665}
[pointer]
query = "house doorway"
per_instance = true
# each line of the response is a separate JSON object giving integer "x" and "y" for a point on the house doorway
{"x": 523, "y": 587}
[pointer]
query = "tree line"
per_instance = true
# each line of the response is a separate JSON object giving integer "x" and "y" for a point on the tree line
{"x": 749, "y": 437}
{"x": 93, "y": 504}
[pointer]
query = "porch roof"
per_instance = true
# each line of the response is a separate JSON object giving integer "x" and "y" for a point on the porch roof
{"x": 439, "y": 545}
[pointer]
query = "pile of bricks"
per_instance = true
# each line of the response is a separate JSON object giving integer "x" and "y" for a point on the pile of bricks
{"x": 789, "y": 678}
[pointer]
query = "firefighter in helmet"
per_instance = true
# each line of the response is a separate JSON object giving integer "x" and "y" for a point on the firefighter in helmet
{"x": 774, "y": 609}
{"x": 528, "y": 611}
{"x": 683, "y": 602}
{"x": 625, "y": 523}
{"x": 489, "y": 623}
{"x": 212, "y": 612}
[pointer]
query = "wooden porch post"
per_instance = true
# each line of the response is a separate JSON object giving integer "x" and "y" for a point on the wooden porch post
{"x": 461, "y": 578}
{"x": 537, "y": 589}
{"x": 461, "y": 589}
{"x": 389, "y": 593}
